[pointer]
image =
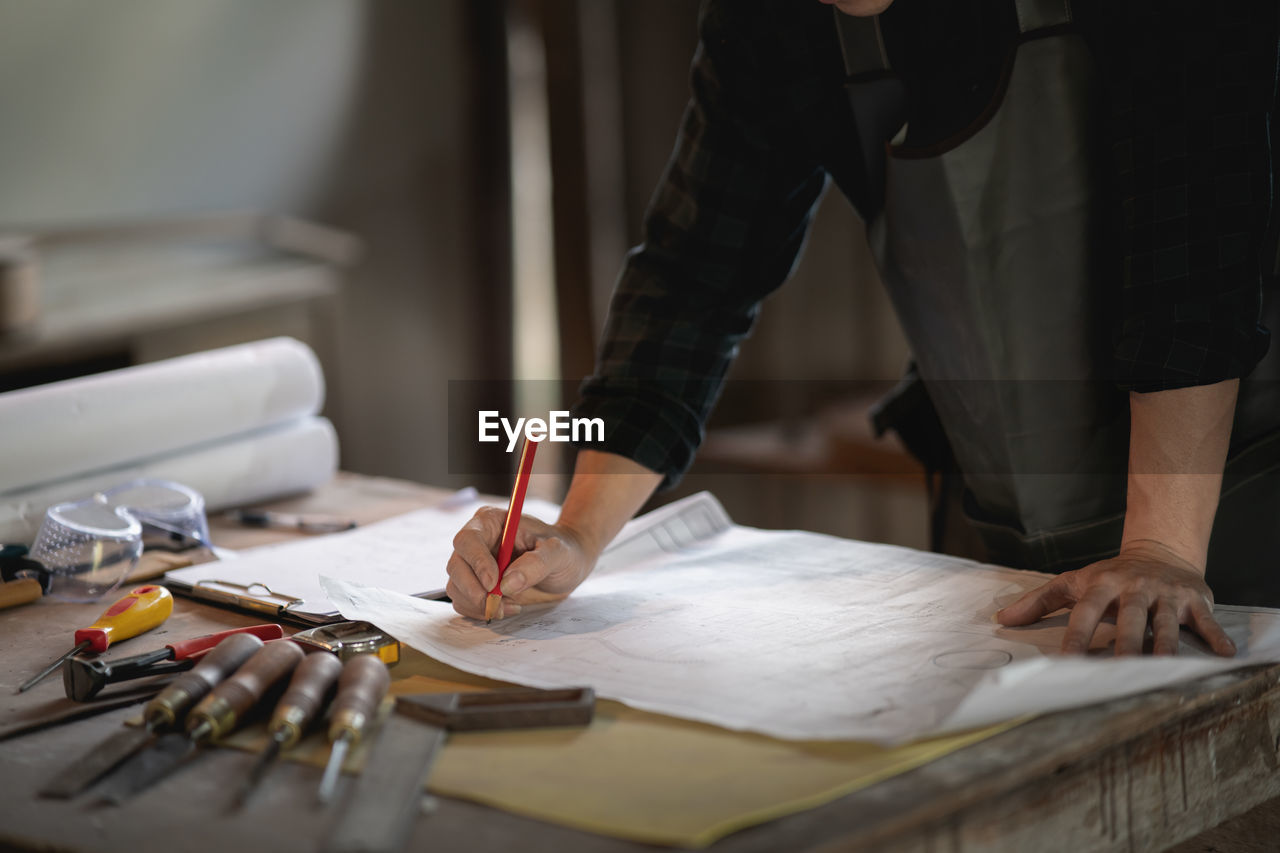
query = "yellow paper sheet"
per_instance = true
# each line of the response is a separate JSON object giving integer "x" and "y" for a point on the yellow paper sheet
{"x": 641, "y": 776}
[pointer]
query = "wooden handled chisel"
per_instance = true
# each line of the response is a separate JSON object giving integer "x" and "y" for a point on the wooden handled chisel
{"x": 378, "y": 815}
{"x": 301, "y": 702}
{"x": 162, "y": 712}
{"x": 213, "y": 718}
{"x": 363, "y": 683}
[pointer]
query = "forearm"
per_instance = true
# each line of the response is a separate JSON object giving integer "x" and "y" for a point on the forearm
{"x": 606, "y": 491}
{"x": 1177, "y": 447}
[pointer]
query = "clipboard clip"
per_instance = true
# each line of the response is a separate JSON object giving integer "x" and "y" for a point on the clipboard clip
{"x": 251, "y": 596}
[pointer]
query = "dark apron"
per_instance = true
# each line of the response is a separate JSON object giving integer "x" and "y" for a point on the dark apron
{"x": 989, "y": 246}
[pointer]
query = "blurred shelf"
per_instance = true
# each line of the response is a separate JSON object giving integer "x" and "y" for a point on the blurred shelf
{"x": 98, "y": 300}
{"x": 838, "y": 440}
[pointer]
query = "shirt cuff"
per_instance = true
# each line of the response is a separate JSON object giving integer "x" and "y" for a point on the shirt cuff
{"x": 642, "y": 424}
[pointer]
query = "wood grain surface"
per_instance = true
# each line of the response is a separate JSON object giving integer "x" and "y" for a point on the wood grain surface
{"x": 1137, "y": 774}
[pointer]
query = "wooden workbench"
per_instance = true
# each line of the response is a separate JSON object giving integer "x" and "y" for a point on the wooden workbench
{"x": 1132, "y": 775}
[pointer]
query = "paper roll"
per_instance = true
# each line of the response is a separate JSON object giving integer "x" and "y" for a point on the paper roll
{"x": 64, "y": 429}
{"x": 270, "y": 463}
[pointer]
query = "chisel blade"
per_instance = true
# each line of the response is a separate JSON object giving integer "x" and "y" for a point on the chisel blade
{"x": 96, "y": 763}
{"x": 379, "y": 814}
{"x": 147, "y": 767}
{"x": 265, "y": 760}
{"x": 329, "y": 782}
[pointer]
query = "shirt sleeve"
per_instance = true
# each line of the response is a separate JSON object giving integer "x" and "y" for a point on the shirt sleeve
{"x": 1191, "y": 88}
{"x": 722, "y": 231}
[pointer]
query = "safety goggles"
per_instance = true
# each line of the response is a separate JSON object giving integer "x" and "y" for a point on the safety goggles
{"x": 87, "y": 548}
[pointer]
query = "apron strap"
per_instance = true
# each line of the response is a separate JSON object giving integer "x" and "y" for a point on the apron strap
{"x": 876, "y": 95}
{"x": 861, "y": 44}
{"x": 1042, "y": 14}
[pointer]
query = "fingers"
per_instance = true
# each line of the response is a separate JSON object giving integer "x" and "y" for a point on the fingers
{"x": 1206, "y": 626}
{"x": 465, "y": 589}
{"x": 1085, "y": 616}
{"x": 473, "y": 568}
{"x": 1165, "y": 628}
{"x": 475, "y": 544}
{"x": 543, "y": 566}
{"x": 1131, "y": 625}
{"x": 1036, "y": 604}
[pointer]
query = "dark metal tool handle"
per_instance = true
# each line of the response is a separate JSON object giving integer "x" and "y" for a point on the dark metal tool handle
{"x": 82, "y": 678}
{"x": 222, "y": 710}
{"x": 363, "y": 683}
{"x": 306, "y": 693}
{"x": 517, "y": 708}
{"x": 194, "y": 685}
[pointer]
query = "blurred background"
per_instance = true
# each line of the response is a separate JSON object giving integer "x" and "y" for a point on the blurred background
{"x": 478, "y": 168}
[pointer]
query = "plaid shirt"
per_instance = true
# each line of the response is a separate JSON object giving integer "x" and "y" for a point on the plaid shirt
{"x": 769, "y": 122}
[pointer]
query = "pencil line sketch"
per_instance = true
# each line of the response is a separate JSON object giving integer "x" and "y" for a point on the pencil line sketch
{"x": 791, "y": 634}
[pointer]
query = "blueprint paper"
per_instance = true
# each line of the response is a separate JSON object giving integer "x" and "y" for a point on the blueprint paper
{"x": 405, "y": 554}
{"x": 793, "y": 635}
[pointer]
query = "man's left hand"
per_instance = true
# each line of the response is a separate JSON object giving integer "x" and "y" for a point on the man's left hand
{"x": 1146, "y": 584}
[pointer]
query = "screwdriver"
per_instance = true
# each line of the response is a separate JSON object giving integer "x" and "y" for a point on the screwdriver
{"x": 141, "y": 610}
{"x": 296, "y": 709}
{"x": 83, "y": 678}
{"x": 163, "y": 711}
{"x": 213, "y": 718}
{"x": 363, "y": 683}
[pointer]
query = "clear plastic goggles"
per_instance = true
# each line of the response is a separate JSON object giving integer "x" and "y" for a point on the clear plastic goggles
{"x": 88, "y": 547}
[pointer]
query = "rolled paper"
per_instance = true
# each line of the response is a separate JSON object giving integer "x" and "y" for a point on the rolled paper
{"x": 273, "y": 462}
{"x": 123, "y": 418}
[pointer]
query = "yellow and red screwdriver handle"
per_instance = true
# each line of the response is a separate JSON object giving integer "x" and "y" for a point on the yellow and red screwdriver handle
{"x": 144, "y": 608}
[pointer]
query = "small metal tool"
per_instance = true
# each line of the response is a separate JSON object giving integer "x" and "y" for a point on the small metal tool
{"x": 84, "y": 678}
{"x": 162, "y": 712}
{"x": 349, "y": 639}
{"x": 363, "y": 683}
{"x": 301, "y": 702}
{"x": 385, "y": 799}
{"x": 214, "y": 717}
{"x": 141, "y": 610}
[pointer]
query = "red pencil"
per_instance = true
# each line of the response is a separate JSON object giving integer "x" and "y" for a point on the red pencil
{"x": 494, "y": 599}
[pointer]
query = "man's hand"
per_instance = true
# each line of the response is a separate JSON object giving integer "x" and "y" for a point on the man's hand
{"x": 548, "y": 563}
{"x": 1177, "y": 446}
{"x": 549, "y": 560}
{"x": 1145, "y": 584}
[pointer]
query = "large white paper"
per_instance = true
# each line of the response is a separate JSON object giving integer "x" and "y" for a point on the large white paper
{"x": 270, "y": 463}
{"x": 81, "y": 426}
{"x": 794, "y": 635}
{"x": 406, "y": 554}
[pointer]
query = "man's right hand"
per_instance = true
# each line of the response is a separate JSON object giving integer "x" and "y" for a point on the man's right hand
{"x": 548, "y": 562}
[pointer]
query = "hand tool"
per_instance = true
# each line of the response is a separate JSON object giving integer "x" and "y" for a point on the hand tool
{"x": 304, "y": 697}
{"x": 363, "y": 683}
{"x": 380, "y": 812}
{"x": 22, "y": 591}
{"x": 74, "y": 714}
{"x": 83, "y": 678}
{"x": 215, "y": 716}
{"x": 493, "y": 601}
{"x": 141, "y": 610}
{"x": 349, "y": 639}
{"x": 291, "y": 521}
{"x": 25, "y": 579}
{"x": 162, "y": 712}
